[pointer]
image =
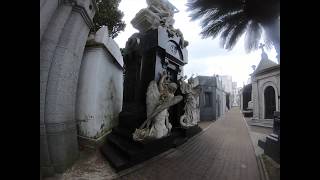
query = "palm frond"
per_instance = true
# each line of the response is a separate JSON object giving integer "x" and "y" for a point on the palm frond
{"x": 236, "y": 33}
{"x": 225, "y": 25}
{"x": 201, "y": 8}
{"x": 232, "y": 22}
{"x": 232, "y": 18}
{"x": 253, "y": 36}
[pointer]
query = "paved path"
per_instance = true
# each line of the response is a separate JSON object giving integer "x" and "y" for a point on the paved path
{"x": 223, "y": 152}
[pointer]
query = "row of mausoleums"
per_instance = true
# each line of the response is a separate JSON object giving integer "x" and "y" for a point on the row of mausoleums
{"x": 261, "y": 100}
{"x": 216, "y": 96}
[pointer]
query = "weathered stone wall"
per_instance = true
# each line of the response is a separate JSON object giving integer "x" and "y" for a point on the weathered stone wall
{"x": 64, "y": 28}
{"x": 100, "y": 90}
{"x": 224, "y": 106}
{"x": 254, "y": 98}
{"x": 218, "y": 107}
{"x": 241, "y": 99}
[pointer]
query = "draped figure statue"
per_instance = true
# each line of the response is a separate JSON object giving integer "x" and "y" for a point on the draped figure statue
{"x": 191, "y": 115}
{"x": 159, "y": 98}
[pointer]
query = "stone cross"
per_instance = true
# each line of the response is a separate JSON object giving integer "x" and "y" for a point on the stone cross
{"x": 263, "y": 54}
{"x": 261, "y": 46}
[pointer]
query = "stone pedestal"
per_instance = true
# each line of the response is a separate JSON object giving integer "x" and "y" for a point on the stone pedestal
{"x": 191, "y": 131}
{"x": 271, "y": 145}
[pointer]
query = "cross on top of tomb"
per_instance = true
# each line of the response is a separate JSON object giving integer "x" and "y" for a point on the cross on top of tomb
{"x": 261, "y": 46}
{"x": 263, "y": 54}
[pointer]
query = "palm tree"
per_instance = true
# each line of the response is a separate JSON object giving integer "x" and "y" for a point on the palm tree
{"x": 233, "y": 18}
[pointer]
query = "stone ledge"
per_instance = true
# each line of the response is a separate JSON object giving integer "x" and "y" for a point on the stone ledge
{"x": 261, "y": 125}
{"x": 101, "y": 39}
{"x": 262, "y": 168}
{"x": 92, "y": 143}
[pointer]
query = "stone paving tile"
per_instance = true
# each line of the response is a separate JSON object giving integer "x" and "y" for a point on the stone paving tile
{"x": 90, "y": 166}
{"x": 223, "y": 152}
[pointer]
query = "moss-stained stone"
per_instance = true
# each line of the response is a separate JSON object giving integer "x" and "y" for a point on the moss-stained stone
{"x": 273, "y": 168}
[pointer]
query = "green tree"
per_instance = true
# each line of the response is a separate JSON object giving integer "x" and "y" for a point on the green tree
{"x": 109, "y": 15}
{"x": 232, "y": 18}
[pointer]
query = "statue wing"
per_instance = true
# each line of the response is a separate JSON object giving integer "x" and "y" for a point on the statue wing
{"x": 152, "y": 98}
{"x": 196, "y": 91}
{"x": 165, "y": 105}
{"x": 183, "y": 87}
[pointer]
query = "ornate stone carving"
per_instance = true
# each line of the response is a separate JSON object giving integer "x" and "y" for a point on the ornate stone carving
{"x": 159, "y": 99}
{"x": 158, "y": 13}
{"x": 191, "y": 115}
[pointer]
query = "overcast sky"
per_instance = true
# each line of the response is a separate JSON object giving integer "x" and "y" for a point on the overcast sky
{"x": 206, "y": 57}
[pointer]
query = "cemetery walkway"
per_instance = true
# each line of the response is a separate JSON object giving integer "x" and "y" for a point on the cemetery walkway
{"x": 224, "y": 151}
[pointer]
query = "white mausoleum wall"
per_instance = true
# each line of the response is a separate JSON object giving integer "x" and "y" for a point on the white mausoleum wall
{"x": 100, "y": 89}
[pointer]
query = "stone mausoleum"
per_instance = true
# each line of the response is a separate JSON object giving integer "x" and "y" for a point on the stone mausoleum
{"x": 265, "y": 89}
{"x": 245, "y": 100}
{"x": 212, "y": 98}
{"x": 159, "y": 108}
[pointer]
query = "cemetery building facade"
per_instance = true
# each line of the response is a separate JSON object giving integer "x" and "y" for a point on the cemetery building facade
{"x": 245, "y": 97}
{"x": 265, "y": 89}
{"x": 246, "y": 105}
{"x": 212, "y": 98}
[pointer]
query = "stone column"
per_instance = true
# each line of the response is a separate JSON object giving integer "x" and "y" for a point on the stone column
{"x": 47, "y": 49}
{"x": 61, "y": 50}
{"x": 47, "y": 10}
{"x": 255, "y": 101}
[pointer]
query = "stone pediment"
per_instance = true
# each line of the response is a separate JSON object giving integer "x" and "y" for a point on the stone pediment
{"x": 263, "y": 65}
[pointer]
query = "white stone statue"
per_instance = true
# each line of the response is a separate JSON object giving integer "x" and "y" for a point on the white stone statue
{"x": 164, "y": 9}
{"x": 191, "y": 116}
{"x": 158, "y": 12}
{"x": 250, "y": 105}
{"x": 159, "y": 99}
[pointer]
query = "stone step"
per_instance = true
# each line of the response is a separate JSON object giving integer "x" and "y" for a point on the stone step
{"x": 272, "y": 138}
{"x": 130, "y": 120}
{"x": 116, "y": 159}
{"x": 126, "y": 146}
{"x": 274, "y": 135}
{"x": 179, "y": 141}
{"x": 262, "y": 121}
{"x": 128, "y": 152}
{"x": 261, "y": 125}
{"x": 122, "y": 132}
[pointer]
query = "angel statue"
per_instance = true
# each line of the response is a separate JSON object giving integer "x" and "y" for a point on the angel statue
{"x": 159, "y": 99}
{"x": 191, "y": 108}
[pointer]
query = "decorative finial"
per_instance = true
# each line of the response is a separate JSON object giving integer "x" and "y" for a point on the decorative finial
{"x": 263, "y": 54}
{"x": 253, "y": 67}
{"x": 261, "y": 46}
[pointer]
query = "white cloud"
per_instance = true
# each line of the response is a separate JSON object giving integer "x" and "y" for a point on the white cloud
{"x": 206, "y": 57}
